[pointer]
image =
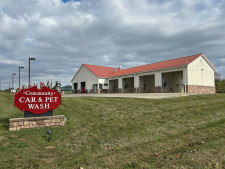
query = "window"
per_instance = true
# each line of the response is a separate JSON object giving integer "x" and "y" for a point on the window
{"x": 100, "y": 86}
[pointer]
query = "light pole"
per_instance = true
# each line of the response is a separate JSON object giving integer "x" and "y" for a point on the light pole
{"x": 13, "y": 80}
{"x": 20, "y": 67}
{"x": 29, "y": 70}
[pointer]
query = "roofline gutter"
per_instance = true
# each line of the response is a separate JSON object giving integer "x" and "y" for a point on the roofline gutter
{"x": 148, "y": 71}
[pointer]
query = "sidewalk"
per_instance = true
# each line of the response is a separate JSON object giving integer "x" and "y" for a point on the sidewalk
{"x": 130, "y": 95}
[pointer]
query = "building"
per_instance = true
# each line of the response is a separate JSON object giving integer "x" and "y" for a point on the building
{"x": 67, "y": 88}
{"x": 190, "y": 74}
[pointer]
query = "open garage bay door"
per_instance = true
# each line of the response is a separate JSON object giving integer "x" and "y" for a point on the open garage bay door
{"x": 113, "y": 86}
{"x": 75, "y": 88}
{"x": 147, "y": 84}
{"x": 172, "y": 82}
{"x": 128, "y": 85}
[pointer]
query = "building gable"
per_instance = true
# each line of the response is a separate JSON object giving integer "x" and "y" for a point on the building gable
{"x": 201, "y": 72}
{"x": 203, "y": 59}
{"x": 79, "y": 71}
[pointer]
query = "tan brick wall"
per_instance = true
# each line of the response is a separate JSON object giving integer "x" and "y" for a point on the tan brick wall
{"x": 158, "y": 89}
{"x": 104, "y": 91}
{"x": 119, "y": 90}
{"x": 136, "y": 90}
{"x": 200, "y": 89}
{"x": 16, "y": 124}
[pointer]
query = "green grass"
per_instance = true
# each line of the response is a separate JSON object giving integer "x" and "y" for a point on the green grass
{"x": 121, "y": 133}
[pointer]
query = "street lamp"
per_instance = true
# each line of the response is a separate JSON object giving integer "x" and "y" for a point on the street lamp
{"x": 20, "y": 67}
{"x": 13, "y": 80}
{"x": 29, "y": 70}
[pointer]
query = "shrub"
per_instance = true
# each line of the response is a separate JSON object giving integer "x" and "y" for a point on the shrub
{"x": 220, "y": 86}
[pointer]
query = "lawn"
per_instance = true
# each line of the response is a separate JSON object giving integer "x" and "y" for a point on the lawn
{"x": 186, "y": 132}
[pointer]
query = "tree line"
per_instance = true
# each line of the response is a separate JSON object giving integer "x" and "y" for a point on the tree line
{"x": 220, "y": 86}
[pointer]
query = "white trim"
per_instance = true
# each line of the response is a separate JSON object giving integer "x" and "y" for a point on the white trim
{"x": 76, "y": 73}
{"x": 207, "y": 60}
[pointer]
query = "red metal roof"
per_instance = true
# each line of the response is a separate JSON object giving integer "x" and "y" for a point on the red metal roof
{"x": 103, "y": 71}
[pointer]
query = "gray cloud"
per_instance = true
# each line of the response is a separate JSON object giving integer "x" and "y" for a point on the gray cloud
{"x": 62, "y": 36}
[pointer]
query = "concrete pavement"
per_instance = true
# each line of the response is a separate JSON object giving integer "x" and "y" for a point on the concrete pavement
{"x": 130, "y": 95}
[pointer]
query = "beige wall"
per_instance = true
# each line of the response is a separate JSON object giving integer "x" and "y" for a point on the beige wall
{"x": 103, "y": 81}
{"x": 85, "y": 75}
{"x": 136, "y": 81}
{"x": 120, "y": 83}
{"x": 199, "y": 72}
{"x": 158, "y": 79}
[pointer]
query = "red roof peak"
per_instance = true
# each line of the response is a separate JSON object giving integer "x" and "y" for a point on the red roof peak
{"x": 101, "y": 71}
{"x": 97, "y": 66}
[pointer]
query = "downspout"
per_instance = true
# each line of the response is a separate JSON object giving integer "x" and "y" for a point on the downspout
{"x": 185, "y": 79}
{"x": 185, "y": 85}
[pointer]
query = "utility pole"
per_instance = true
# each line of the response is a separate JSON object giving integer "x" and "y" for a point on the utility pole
{"x": 20, "y": 67}
{"x": 13, "y": 80}
{"x": 29, "y": 71}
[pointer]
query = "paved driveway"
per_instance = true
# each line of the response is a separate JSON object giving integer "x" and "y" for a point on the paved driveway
{"x": 130, "y": 95}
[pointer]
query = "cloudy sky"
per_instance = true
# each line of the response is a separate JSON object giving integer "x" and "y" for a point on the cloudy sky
{"x": 63, "y": 34}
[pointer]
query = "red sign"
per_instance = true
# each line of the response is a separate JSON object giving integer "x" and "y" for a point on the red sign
{"x": 37, "y": 101}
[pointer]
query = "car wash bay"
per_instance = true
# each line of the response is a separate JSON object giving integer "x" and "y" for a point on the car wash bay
{"x": 169, "y": 82}
{"x": 172, "y": 82}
